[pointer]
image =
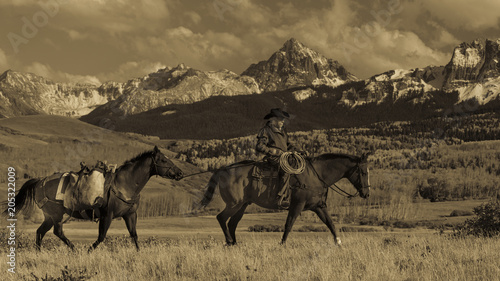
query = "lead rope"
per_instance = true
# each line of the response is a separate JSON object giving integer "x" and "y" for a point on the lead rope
{"x": 226, "y": 167}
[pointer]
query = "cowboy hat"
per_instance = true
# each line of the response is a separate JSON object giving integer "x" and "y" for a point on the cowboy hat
{"x": 277, "y": 112}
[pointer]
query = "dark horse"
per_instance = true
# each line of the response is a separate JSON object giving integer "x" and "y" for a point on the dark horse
{"x": 308, "y": 190}
{"x": 121, "y": 199}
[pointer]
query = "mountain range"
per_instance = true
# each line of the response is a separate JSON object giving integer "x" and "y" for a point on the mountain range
{"x": 294, "y": 77}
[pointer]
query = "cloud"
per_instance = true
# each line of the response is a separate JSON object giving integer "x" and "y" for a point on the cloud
{"x": 367, "y": 41}
{"x": 113, "y": 17}
{"x": 366, "y": 55}
{"x": 76, "y": 35}
{"x": 193, "y": 16}
{"x": 206, "y": 51}
{"x": 470, "y": 15}
{"x": 4, "y": 65}
{"x": 135, "y": 37}
{"x": 130, "y": 70}
{"x": 59, "y": 76}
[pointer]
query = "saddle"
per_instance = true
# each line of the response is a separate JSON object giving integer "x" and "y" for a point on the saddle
{"x": 265, "y": 177}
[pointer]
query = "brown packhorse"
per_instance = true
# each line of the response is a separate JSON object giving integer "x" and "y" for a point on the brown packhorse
{"x": 308, "y": 190}
{"x": 121, "y": 199}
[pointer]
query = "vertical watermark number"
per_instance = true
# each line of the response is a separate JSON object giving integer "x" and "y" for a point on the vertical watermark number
{"x": 11, "y": 219}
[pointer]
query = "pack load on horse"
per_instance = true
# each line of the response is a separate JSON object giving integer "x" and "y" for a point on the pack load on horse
{"x": 83, "y": 190}
{"x": 247, "y": 182}
{"x": 120, "y": 198}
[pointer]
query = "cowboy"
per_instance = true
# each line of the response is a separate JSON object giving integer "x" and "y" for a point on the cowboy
{"x": 272, "y": 141}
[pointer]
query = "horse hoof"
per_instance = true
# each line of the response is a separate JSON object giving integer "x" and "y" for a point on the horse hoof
{"x": 338, "y": 242}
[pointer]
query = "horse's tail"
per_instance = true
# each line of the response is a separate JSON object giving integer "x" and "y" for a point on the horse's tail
{"x": 209, "y": 193}
{"x": 25, "y": 197}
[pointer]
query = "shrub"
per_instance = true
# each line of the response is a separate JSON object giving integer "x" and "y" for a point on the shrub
{"x": 404, "y": 224}
{"x": 460, "y": 213}
{"x": 266, "y": 228}
{"x": 486, "y": 223}
{"x": 312, "y": 228}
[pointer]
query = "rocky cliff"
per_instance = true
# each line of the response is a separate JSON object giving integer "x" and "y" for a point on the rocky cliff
{"x": 26, "y": 93}
{"x": 473, "y": 72}
{"x": 296, "y": 65}
{"x": 178, "y": 85}
{"x": 473, "y": 62}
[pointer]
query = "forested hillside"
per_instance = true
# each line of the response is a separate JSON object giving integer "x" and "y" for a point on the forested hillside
{"x": 438, "y": 158}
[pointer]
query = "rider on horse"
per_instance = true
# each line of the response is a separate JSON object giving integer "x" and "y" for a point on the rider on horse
{"x": 272, "y": 141}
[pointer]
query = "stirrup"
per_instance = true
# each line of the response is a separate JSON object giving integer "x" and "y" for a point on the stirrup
{"x": 283, "y": 204}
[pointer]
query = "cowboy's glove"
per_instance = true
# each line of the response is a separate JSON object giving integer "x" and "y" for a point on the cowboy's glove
{"x": 275, "y": 152}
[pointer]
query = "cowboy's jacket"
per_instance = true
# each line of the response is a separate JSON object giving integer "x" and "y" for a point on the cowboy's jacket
{"x": 271, "y": 138}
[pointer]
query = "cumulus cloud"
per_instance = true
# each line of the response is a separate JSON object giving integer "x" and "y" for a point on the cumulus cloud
{"x": 137, "y": 37}
{"x": 471, "y": 15}
{"x": 365, "y": 47}
{"x": 113, "y": 17}
{"x": 193, "y": 16}
{"x": 130, "y": 70}
{"x": 4, "y": 65}
{"x": 58, "y": 76}
{"x": 76, "y": 35}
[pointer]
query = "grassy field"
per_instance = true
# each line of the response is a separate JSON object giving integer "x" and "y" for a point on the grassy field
{"x": 394, "y": 235}
{"x": 192, "y": 248}
{"x": 306, "y": 256}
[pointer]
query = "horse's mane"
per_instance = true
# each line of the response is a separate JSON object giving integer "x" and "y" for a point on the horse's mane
{"x": 140, "y": 156}
{"x": 330, "y": 156}
{"x": 242, "y": 163}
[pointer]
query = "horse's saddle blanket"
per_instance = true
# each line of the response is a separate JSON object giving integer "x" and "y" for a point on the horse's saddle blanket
{"x": 80, "y": 191}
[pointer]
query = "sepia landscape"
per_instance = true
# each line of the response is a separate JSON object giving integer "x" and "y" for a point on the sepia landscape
{"x": 428, "y": 120}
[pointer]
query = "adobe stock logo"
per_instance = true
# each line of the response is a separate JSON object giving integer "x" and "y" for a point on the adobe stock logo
{"x": 31, "y": 26}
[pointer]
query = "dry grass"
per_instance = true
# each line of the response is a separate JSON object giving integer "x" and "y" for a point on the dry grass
{"x": 260, "y": 257}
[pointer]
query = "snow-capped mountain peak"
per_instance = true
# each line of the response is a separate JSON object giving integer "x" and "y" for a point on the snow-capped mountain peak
{"x": 294, "y": 65}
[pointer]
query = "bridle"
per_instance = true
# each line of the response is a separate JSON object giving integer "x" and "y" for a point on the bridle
{"x": 161, "y": 166}
{"x": 338, "y": 189}
{"x": 358, "y": 169}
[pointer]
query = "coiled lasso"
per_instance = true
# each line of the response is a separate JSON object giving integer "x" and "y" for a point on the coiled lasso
{"x": 292, "y": 157}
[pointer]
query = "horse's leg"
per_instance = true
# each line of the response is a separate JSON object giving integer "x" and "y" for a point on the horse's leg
{"x": 104, "y": 223}
{"x": 326, "y": 219}
{"x": 293, "y": 213}
{"x": 222, "y": 217}
{"x": 131, "y": 222}
{"x": 58, "y": 231}
{"x": 40, "y": 232}
{"x": 235, "y": 219}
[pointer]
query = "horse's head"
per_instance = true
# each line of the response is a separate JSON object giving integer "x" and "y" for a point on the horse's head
{"x": 164, "y": 167}
{"x": 360, "y": 178}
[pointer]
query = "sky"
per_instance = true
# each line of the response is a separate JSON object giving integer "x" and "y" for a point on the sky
{"x": 94, "y": 41}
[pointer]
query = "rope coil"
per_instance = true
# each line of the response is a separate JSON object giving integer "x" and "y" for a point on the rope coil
{"x": 292, "y": 163}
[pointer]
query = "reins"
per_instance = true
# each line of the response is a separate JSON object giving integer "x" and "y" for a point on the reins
{"x": 339, "y": 190}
